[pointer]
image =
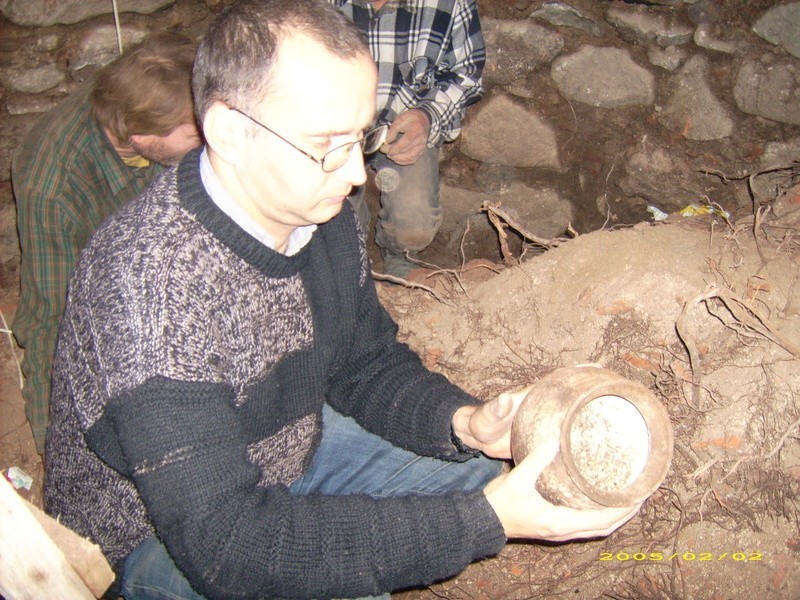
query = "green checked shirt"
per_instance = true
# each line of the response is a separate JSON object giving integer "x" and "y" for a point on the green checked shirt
{"x": 67, "y": 179}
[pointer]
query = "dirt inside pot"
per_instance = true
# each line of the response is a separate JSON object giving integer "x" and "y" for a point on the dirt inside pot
{"x": 609, "y": 442}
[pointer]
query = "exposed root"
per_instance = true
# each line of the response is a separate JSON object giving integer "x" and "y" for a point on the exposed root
{"x": 412, "y": 285}
{"x": 691, "y": 349}
{"x": 502, "y": 236}
{"x": 746, "y": 314}
{"x": 739, "y": 459}
{"x": 13, "y": 345}
{"x": 501, "y": 219}
{"x": 743, "y": 313}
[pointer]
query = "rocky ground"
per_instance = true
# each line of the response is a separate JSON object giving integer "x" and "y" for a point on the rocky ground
{"x": 600, "y": 118}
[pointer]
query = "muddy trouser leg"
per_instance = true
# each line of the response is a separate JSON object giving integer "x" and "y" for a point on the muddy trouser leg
{"x": 411, "y": 211}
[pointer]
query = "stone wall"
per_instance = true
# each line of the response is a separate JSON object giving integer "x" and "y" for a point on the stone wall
{"x": 596, "y": 112}
{"x": 605, "y": 113}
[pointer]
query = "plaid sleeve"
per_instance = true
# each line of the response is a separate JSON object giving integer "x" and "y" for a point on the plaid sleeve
{"x": 457, "y": 76}
{"x": 430, "y": 55}
{"x": 49, "y": 257}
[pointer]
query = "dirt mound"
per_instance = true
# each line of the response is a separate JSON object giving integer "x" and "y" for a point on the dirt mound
{"x": 704, "y": 312}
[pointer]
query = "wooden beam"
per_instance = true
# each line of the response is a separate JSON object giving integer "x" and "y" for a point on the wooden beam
{"x": 40, "y": 558}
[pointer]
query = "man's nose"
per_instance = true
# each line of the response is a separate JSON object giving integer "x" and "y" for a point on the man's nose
{"x": 353, "y": 171}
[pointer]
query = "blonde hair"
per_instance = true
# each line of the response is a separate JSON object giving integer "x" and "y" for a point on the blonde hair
{"x": 146, "y": 90}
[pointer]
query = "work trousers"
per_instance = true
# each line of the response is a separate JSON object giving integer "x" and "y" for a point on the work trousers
{"x": 410, "y": 208}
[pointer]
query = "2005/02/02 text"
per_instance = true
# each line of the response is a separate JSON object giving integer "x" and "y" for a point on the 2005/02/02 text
{"x": 687, "y": 556}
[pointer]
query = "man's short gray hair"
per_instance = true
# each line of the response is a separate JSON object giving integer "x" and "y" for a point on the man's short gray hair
{"x": 237, "y": 55}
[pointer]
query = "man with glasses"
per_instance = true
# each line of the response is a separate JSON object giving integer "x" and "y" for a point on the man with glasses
{"x": 232, "y": 415}
{"x": 430, "y": 55}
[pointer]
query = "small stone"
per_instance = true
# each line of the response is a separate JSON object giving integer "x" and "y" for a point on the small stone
{"x": 36, "y": 80}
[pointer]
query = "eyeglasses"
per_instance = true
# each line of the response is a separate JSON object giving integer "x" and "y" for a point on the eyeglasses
{"x": 337, "y": 157}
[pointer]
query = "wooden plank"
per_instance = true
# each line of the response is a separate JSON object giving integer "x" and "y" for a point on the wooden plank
{"x": 33, "y": 566}
{"x": 83, "y": 555}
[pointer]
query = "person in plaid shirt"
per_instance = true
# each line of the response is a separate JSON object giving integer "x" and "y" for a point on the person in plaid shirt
{"x": 81, "y": 161}
{"x": 430, "y": 55}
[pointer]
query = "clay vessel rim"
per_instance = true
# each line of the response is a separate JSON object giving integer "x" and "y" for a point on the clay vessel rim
{"x": 660, "y": 443}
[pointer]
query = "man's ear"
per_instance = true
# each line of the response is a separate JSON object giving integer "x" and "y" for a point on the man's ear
{"x": 224, "y": 132}
{"x": 141, "y": 140}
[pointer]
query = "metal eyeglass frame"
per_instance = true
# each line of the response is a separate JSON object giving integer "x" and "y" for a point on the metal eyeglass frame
{"x": 376, "y": 136}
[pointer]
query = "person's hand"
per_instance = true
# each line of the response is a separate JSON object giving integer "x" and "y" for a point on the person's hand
{"x": 487, "y": 427}
{"x": 525, "y": 514}
{"x": 407, "y": 137}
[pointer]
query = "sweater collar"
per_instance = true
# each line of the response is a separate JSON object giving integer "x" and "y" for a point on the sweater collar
{"x": 213, "y": 186}
{"x": 196, "y": 200}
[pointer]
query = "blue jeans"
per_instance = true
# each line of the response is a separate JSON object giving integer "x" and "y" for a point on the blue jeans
{"x": 150, "y": 574}
{"x": 349, "y": 460}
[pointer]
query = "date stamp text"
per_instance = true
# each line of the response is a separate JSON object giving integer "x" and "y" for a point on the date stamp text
{"x": 684, "y": 556}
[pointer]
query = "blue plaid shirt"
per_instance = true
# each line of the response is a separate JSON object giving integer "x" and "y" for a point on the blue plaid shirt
{"x": 430, "y": 55}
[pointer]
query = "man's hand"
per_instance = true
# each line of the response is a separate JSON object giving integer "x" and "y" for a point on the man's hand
{"x": 525, "y": 514}
{"x": 488, "y": 427}
{"x": 407, "y": 137}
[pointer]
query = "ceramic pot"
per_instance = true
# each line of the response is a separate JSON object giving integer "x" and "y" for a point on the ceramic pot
{"x": 615, "y": 437}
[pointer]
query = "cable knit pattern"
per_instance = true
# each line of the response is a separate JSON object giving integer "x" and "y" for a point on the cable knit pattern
{"x": 189, "y": 379}
{"x": 171, "y": 277}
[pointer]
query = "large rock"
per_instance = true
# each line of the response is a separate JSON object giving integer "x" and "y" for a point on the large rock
{"x": 781, "y": 25}
{"x": 561, "y": 14}
{"x": 505, "y": 132}
{"x": 603, "y": 77}
{"x": 98, "y": 47}
{"x": 34, "y": 81}
{"x": 515, "y": 49}
{"x": 55, "y": 12}
{"x": 643, "y": 26}
{"x": 769, "y": 89}
{"x": 659, "y": 177}
{"x": 539, "y": 211}
{"x": 692, "y": 108}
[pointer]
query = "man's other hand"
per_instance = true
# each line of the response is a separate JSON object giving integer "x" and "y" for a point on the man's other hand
{"x": 525, "y": 514}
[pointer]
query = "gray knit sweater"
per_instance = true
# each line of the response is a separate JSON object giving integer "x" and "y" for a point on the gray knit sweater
{"x": 191, "y": 369}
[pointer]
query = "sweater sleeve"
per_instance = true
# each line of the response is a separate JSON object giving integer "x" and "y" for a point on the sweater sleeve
{"x": 376, "y": 379}
{"x": 183, "y": 444}
{"x": 386, "y": 388}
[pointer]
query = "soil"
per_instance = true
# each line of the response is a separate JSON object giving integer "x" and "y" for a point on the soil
{"x": 704, "y": 311}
